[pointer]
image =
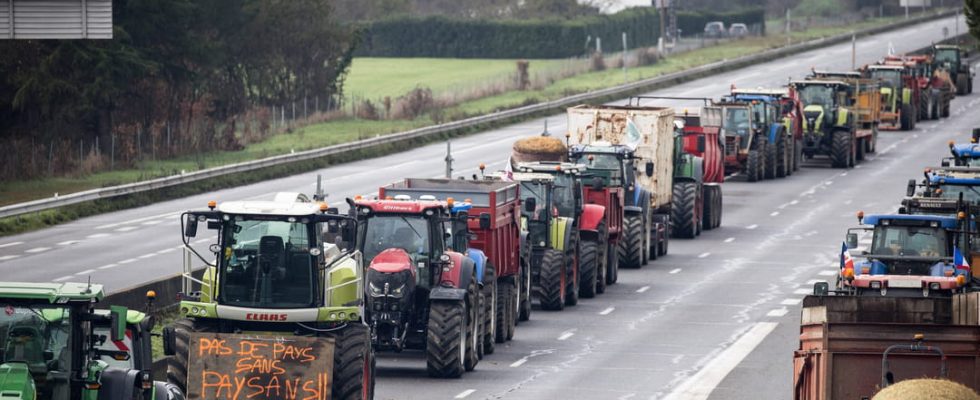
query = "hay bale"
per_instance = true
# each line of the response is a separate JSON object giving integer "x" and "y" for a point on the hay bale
{"x": 927, "y": 389}
{"x": 539, "y": 148}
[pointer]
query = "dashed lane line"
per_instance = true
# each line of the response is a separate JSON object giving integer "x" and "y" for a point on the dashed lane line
{"x": 827, "y": 273}
{"x": 68, "y": 242}
{"x": 97, "y": 235}
{"x": 463, "y": 394}
{"x": 107, "y": 266}
{"x": 125, "y": 229}
{"x": 63, "y": 278}
{"x": 703, "y": 255}
{"x": 9, "y": 257}
{"x": 674, "y": 271}
{"x": 729, "y": 240}
{"x": 777, "y": 312}
{"x": 607, "y": 311}
{"x": 774, "y": 213}
{"x": 790, "y": 302}
{"x": 753, "y": 226}
{"x": 127, "y": 261}
{"x": 38, "y": 249}
{"x": 85, "y": 272}
{"x": 10, "y": 244}
{"x": 642, "y": 289}
{"x": 566, "y": 335}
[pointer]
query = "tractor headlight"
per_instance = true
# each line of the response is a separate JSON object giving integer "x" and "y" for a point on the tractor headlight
{"x": 934, "y": 286}
{"x": 398, "y": 292}
{"x": 876, "y": 284}
{"x": 375, "y": 291}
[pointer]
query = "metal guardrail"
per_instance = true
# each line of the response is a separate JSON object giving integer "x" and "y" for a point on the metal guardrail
{"x": 625, "y": 89}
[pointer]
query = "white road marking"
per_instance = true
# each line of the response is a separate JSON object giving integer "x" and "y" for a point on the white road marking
{"x": 62, "y": 279}
{"x": 107, "y": 266}
{"x": 673, "y": 271}
{"x": 38, "y": 249}
{"x": 802, "y": 291}
{"x": 518, "y": 363}
{"x": 85, "y": 272}
{"x": 10, "y": 257}
{"x": 566, "y": 335}
{"x": 10, "y": 244}
{"x": 642, "y": 289}
{"x": 829, "y": 183}
{"x": 167, "y": 250}
{"x": 97, "y": 235}
{"x": 154, "y": 222}
{"x": 68, "y": 242}
{"x": 147, "y": 256}
{"x": 794, "y": 202}
{"x": 790, "y": 302}
{"x": 700, "y": 385}
{"x": 812, "y": 281}
{"x": 127, "y": 261}
{"x": 774, "y": 213}
{"x": 463, "y": 394}
{"x": 753, "y": 226}
{"x": 202, "y": 240}
{"x": 703, "y": 255}
{"x": 729, "y": 240}
{"x": 607, "y": 311}
{"x": 843, "y": 174}
{"x": 827, "y": 273}
{"x": 125, "y": 229}
{"x": 777, "y": 312}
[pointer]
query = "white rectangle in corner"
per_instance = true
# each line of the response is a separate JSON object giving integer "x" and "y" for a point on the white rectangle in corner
{"x": 700, "y": 386}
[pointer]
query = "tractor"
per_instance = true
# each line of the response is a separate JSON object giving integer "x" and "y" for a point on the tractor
{"x": 747, "y": 146}
{"x": 280, "y": 271}
{"x": 864, "y": 105}
{"x": 909, "y": 256}
{"x": 899, "y": 95}
{"x": 953, "y": 59}
{"x": 700, "y": 134}
{"x": 934, "y": 84}
{"x": 53, "y": 349}
{"x": 421, "y": 292}
{"x": 769, "y": 104}
{"x": 963, "y": 155}
{"x": 610, "y": 173}
{"x": 828, "y": 123}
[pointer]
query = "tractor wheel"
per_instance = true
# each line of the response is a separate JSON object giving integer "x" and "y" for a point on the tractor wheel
{"x": 612, "y": 265}
{"x": 944, "y": 112}
{"x": 662, "y": 246}
{"x": 798, "y": 154}
{"x": 491, "y": 305}
{"x": 588, "y": 267}
{"x": 923, "y": 109}
{"x": 177, "y": 364}
{"x": 631, "y": 242}
{"x": 446, "y": 344}
{"x": 905, "y": 117}
{"x": 712, "y": 206}
{"x": 571, "y": 281}
{"x": 524, "y": 288}
{"x": 506, "y": 311}
{"x": 859, "y": 154}
{"x": 683, "y": 210}
{"x": 962, "y": 84}
{"x": 872, "y": 141}
{"x": 354, "y": 363}
{"x": 783, "y": 168}
{"x": 770, "y": 161}
{"x": 551, "y": 281}
{"x": 654, "y": 250}
{"x": 841, "y": 149}
{"x": 753, "y": 166}
{"x": 788, "y": 155}
{"x": 474, "y": 320}
{"x": 934, "y": 107}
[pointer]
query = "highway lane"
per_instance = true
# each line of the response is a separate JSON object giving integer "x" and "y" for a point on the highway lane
{"x": 711, "y": 299}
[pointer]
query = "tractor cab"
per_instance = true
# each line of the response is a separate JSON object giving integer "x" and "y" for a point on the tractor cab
{"x": 950, "y": 58}
{"x": 909, "y": 255}
{"x": 825, "y": 105}
{"x": 605, "y": 162}
{"x": 566, "y": 186}
{"x": 50, "y": 348}
{"x": 963, "y": 155}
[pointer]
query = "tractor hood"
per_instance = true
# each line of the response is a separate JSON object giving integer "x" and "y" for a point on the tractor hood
{"x": 391, "y": 261}
{"x": 16, "y": 382}
{"x": 813, "y": 116}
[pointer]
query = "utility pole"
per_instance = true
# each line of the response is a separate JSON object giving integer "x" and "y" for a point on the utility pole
{"x": 449, "y": 159}
{"x": 853, "y": 51}
{"x": 625, "y": 53}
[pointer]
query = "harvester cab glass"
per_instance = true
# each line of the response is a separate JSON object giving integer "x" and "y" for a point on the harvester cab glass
{"x": 539, "y": 219}
{"x": 817, "y": 94}
{"x": 566, "y": 192}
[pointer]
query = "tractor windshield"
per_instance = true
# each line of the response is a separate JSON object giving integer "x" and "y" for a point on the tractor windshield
{"x": 888, "y": 77}
{"x": 604, "y": 161}
{"x": 971, "y": 193}
{"x": 817, "y": 94}
{"x": 564, "y": 193}
{"x": 539, "y": 192}
{"x": 267, "y": 263}
{"x": 737, "y": 122}
{"x": 387, "y": 231}
{"x": 920, "y": 241}
{"x": 37, "y": 337}
{"x": 951, "y": 56}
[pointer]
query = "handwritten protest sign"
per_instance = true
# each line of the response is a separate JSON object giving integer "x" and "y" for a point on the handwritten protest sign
{"x": 232, "y": 367}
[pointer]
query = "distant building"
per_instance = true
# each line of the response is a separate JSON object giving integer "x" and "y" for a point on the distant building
{"x": 56, "y": 19}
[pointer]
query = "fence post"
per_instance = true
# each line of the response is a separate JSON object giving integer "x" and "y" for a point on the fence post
{"x": 112, "y": 151}
{"x": 294, "y": 111}
{"x": 305, "y": 114}
{"x": 316, "y": 104}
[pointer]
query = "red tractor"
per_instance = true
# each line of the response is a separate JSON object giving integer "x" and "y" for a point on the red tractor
{"x": 701, "y": 135}
{"x": 936, "y": 89}
{"x": 420, "y": 292}
{"x": 492, "y": 241}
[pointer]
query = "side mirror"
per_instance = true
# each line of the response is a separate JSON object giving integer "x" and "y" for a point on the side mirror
{"x": 701, "y": 144}
{"x": 852, "y": 240}
{"x": 821, "y": 289}
{"x": 597, "y": 183}
{"x": 529, "y": 204}
{"x": 190, "y": 228}
{"x": 648, "y": 168}
{"x": 910, "y": 190}
{"x": 903, "y": 210}
{"x": 485, "y": 221}
{"x": 976, "y": 135}
{"x": 118, "y": 323}
{"x": 333, "y": 210}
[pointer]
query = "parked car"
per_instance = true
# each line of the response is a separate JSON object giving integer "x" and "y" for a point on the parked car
{"x": 738, "y": 30}
{"x": 714, "y": 29}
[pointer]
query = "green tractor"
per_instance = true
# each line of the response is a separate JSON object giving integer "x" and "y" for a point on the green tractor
{"x": 828, "y": 125}
{"x": 53, "y": 346}
{"x": 952, "y": 58}
{"x": 278, "y": 271}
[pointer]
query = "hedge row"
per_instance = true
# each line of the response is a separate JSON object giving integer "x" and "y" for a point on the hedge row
{"x": 444, "y": 37}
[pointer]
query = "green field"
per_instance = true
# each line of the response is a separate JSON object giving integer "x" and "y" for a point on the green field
{"x": 379, "y": 77}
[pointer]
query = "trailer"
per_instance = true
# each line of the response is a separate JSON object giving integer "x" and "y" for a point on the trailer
{"x": 865, "y": 104}
{"x": 851, "y": 347}
{"x": 493, "y": 209}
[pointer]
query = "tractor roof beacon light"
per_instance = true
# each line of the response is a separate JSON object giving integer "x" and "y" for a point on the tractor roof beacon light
{"x": 860, "y": 216}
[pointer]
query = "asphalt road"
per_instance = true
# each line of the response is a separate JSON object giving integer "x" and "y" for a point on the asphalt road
{"x": 717, "y": 317}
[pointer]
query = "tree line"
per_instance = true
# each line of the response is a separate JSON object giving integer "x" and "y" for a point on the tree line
{"x": 176, "y": 78}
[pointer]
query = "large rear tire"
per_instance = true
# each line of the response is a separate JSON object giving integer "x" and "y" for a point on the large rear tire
{"x": 771, "y": 161}
{"x": 177, "y": 364}
{"x": 683, "y": 210}
{"x": 353, "y": 374}
{"x": 571, "y": 280}
{"x": 524, "y": 289}
{"x": 551, "y": 282}
{"x": 753, "y": 166}
{"x": 446, "y": 339}
{"x": 507, "y": 308}
{"x": 841, "y": 149}
{"x": 962, "y": 84}
{"x": 631, "y": 242}
{"x": 712, "y": 206}
{"x": 588, "y": 268}
{"x": 859, "y": 154}
{"x": 491, "y": 305}
{"x": 612, "y": 273}
{"x": 474, "y": 322}
{"x": 905, "y": 118}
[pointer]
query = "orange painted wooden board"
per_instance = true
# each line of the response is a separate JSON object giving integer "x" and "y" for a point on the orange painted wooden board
{"x": 232, "y": 367}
